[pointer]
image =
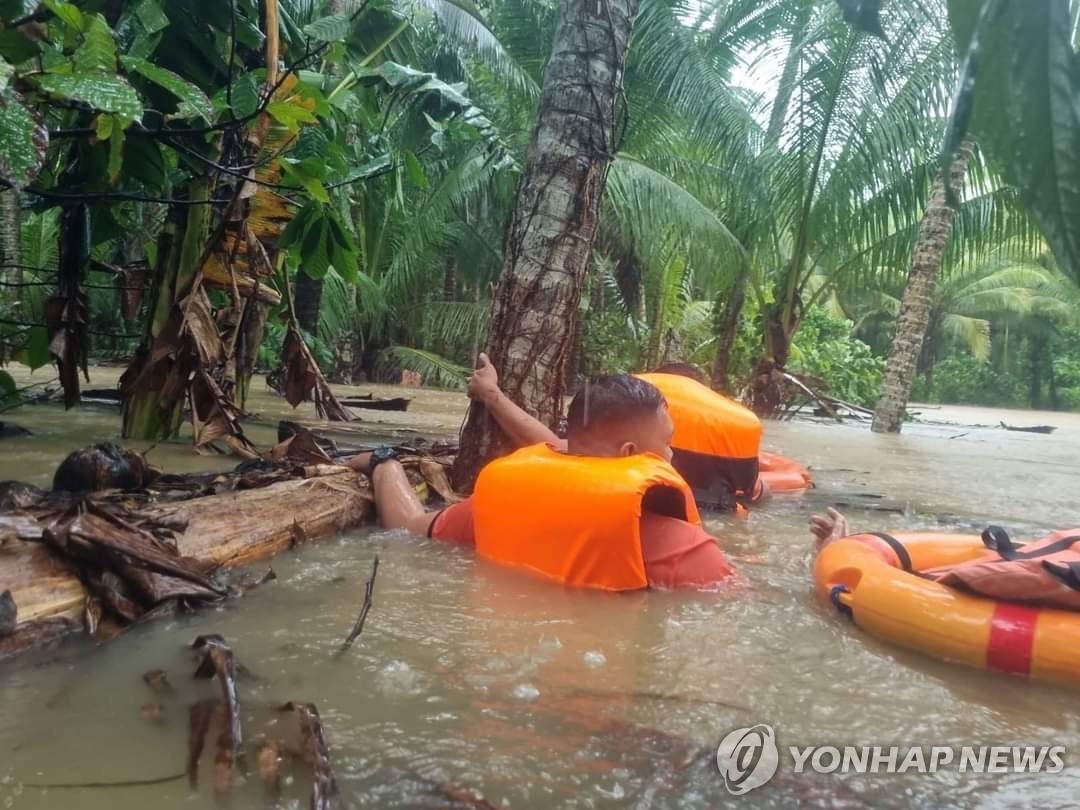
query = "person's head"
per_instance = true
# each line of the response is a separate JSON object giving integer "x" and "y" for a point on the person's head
{"x": 682, "y": 370}
{"x": 619, "y": 415}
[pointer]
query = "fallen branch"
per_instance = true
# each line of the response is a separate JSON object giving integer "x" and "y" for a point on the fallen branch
{"x": 157, "y": 780}
{"x": 199, "y": 715}
{"x": 358, "y": 628}
{"x": 316, "y": 752}
{"x": 218, "y": 660}
{"x": 825, "y": 406}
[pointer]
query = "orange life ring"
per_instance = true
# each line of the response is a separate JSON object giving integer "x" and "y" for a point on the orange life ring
{"x": 900, "y": 607}
{"x": 783, "y": 474}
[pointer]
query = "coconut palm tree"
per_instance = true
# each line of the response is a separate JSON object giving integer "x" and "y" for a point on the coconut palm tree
{"x": 1005, "y": 294}
{"x": 914, "y": 319}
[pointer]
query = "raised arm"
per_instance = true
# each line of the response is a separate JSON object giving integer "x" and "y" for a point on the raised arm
{"x": 523, "y": 429}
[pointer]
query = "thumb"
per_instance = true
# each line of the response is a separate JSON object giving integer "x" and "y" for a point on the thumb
{"x": 484, "y": 361}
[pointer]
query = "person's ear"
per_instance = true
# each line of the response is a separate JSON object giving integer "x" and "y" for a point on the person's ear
{"x": 627, "y": 449}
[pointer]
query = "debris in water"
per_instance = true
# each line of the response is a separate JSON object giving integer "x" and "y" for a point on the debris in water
{"x": 10, "y": 430}
{"x": 358, "y": 628}
{"x": 153, "y": 712}
{"x": 369, "y": 402}
{"x": 155, "y": 780}
{"x": 157, "y": 680}
{"x": 435, "y": 476}
{"x": 9, "y": 613}
{"x": 103, "y": 466}
{"x": 199, "y": 715}
{"x": 315, "y": 752}
{"x": 1046, "y": 429}
{"x": 269, "y": 758}
{"x": 218, "y": 660}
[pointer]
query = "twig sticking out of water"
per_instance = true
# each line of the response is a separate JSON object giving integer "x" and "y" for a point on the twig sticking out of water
{"x": 658, "y": 696}
{"x": 358, "y": 628}
{"x": 316, "y": 752}
{"x": 156, "y": 780}
{"x": 218, "y": 660}
{"x": 199, "y": 715}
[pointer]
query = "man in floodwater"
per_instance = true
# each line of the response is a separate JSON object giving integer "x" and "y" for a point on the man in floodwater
{"x": 615, "y": 416}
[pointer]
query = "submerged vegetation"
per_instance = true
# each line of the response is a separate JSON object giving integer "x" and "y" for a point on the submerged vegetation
{"x": 326, "y": 190}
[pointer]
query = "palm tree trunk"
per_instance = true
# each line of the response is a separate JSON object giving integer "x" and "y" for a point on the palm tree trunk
{"x": 550, "y": 238}
{"x": 307, "y": 301}
{"x": 10, "y": 221}
{"x": 1038, "y": 350}
{"x": 729, "y": 305}
{"x": 911, "y": 328}
{"x": 727, "y": 320}
{"x": 450, "y": 279}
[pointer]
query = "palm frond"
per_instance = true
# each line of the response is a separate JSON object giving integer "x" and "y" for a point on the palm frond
{"x": 435, "y": 370}
{"x": 973, "y": 333}
{"x": 464, "y": 24}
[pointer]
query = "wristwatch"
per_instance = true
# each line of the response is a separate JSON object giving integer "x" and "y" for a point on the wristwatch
{"x": 378, "y": 456}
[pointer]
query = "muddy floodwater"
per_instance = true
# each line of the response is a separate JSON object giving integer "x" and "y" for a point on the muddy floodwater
{"x": 471, "y": 681}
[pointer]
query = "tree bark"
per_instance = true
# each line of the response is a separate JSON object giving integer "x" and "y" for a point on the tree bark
{"x": 450, "y": 279}
{"x": 727, "y": 320}
{"x": 10, "y": 222}
{"x": 308, "y": 302}
{"x": 229, "y": 529}
{"x": 1038, "y": 353}
{"x": 915, "y": 309}
{"x": 550, "y": 238}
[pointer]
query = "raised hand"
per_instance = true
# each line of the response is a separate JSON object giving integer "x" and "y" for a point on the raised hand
{"x": 484, "y": 382}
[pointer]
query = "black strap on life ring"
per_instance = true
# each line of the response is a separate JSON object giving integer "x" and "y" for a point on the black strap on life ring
{"x": 1068, "y": 573}
{"x": 997, "y": 539}
{"x": 897, "y": 546}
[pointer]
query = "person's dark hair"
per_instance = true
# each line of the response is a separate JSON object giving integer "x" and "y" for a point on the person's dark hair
{"x": 683, "y": 370}
{"x": 609, "y": 400}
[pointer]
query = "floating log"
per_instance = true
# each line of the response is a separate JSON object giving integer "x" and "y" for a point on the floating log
{"x": 372, "y": 404}
{"x": 9, "y": 430}
{"x": 1046, "y": 429}
{"x": 226, "y": 529}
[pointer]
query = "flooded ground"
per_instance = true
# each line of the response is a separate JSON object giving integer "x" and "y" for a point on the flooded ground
{"x": 471, "y": 680}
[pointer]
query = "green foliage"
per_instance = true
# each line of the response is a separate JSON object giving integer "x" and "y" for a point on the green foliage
{"x": 193, "y": 100}
{"x": 23, "y": 140}
{"x": 824, "y": 349}
{"x": 111, "y": 94}
{"x": 1020, "y": 101}
{"x": 964, "y": 380}
{"x": 609, "y": 345}
{"x": 331, "y": 28}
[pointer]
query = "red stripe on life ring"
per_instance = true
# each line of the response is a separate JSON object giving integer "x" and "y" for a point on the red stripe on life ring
{"x": 1012, "y": 638}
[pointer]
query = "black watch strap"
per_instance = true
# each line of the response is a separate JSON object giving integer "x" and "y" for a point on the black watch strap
{"x": 378, "y": 456}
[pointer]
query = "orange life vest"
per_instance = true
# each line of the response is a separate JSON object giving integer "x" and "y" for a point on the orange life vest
{"x": 1045, "y": 572}
{"x": 575, "y": 519}
{"x": 716, "y": 439}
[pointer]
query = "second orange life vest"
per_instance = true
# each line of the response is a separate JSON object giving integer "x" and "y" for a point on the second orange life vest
{"x": 575, "y": 519}
{"x": 716, "y": 439}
